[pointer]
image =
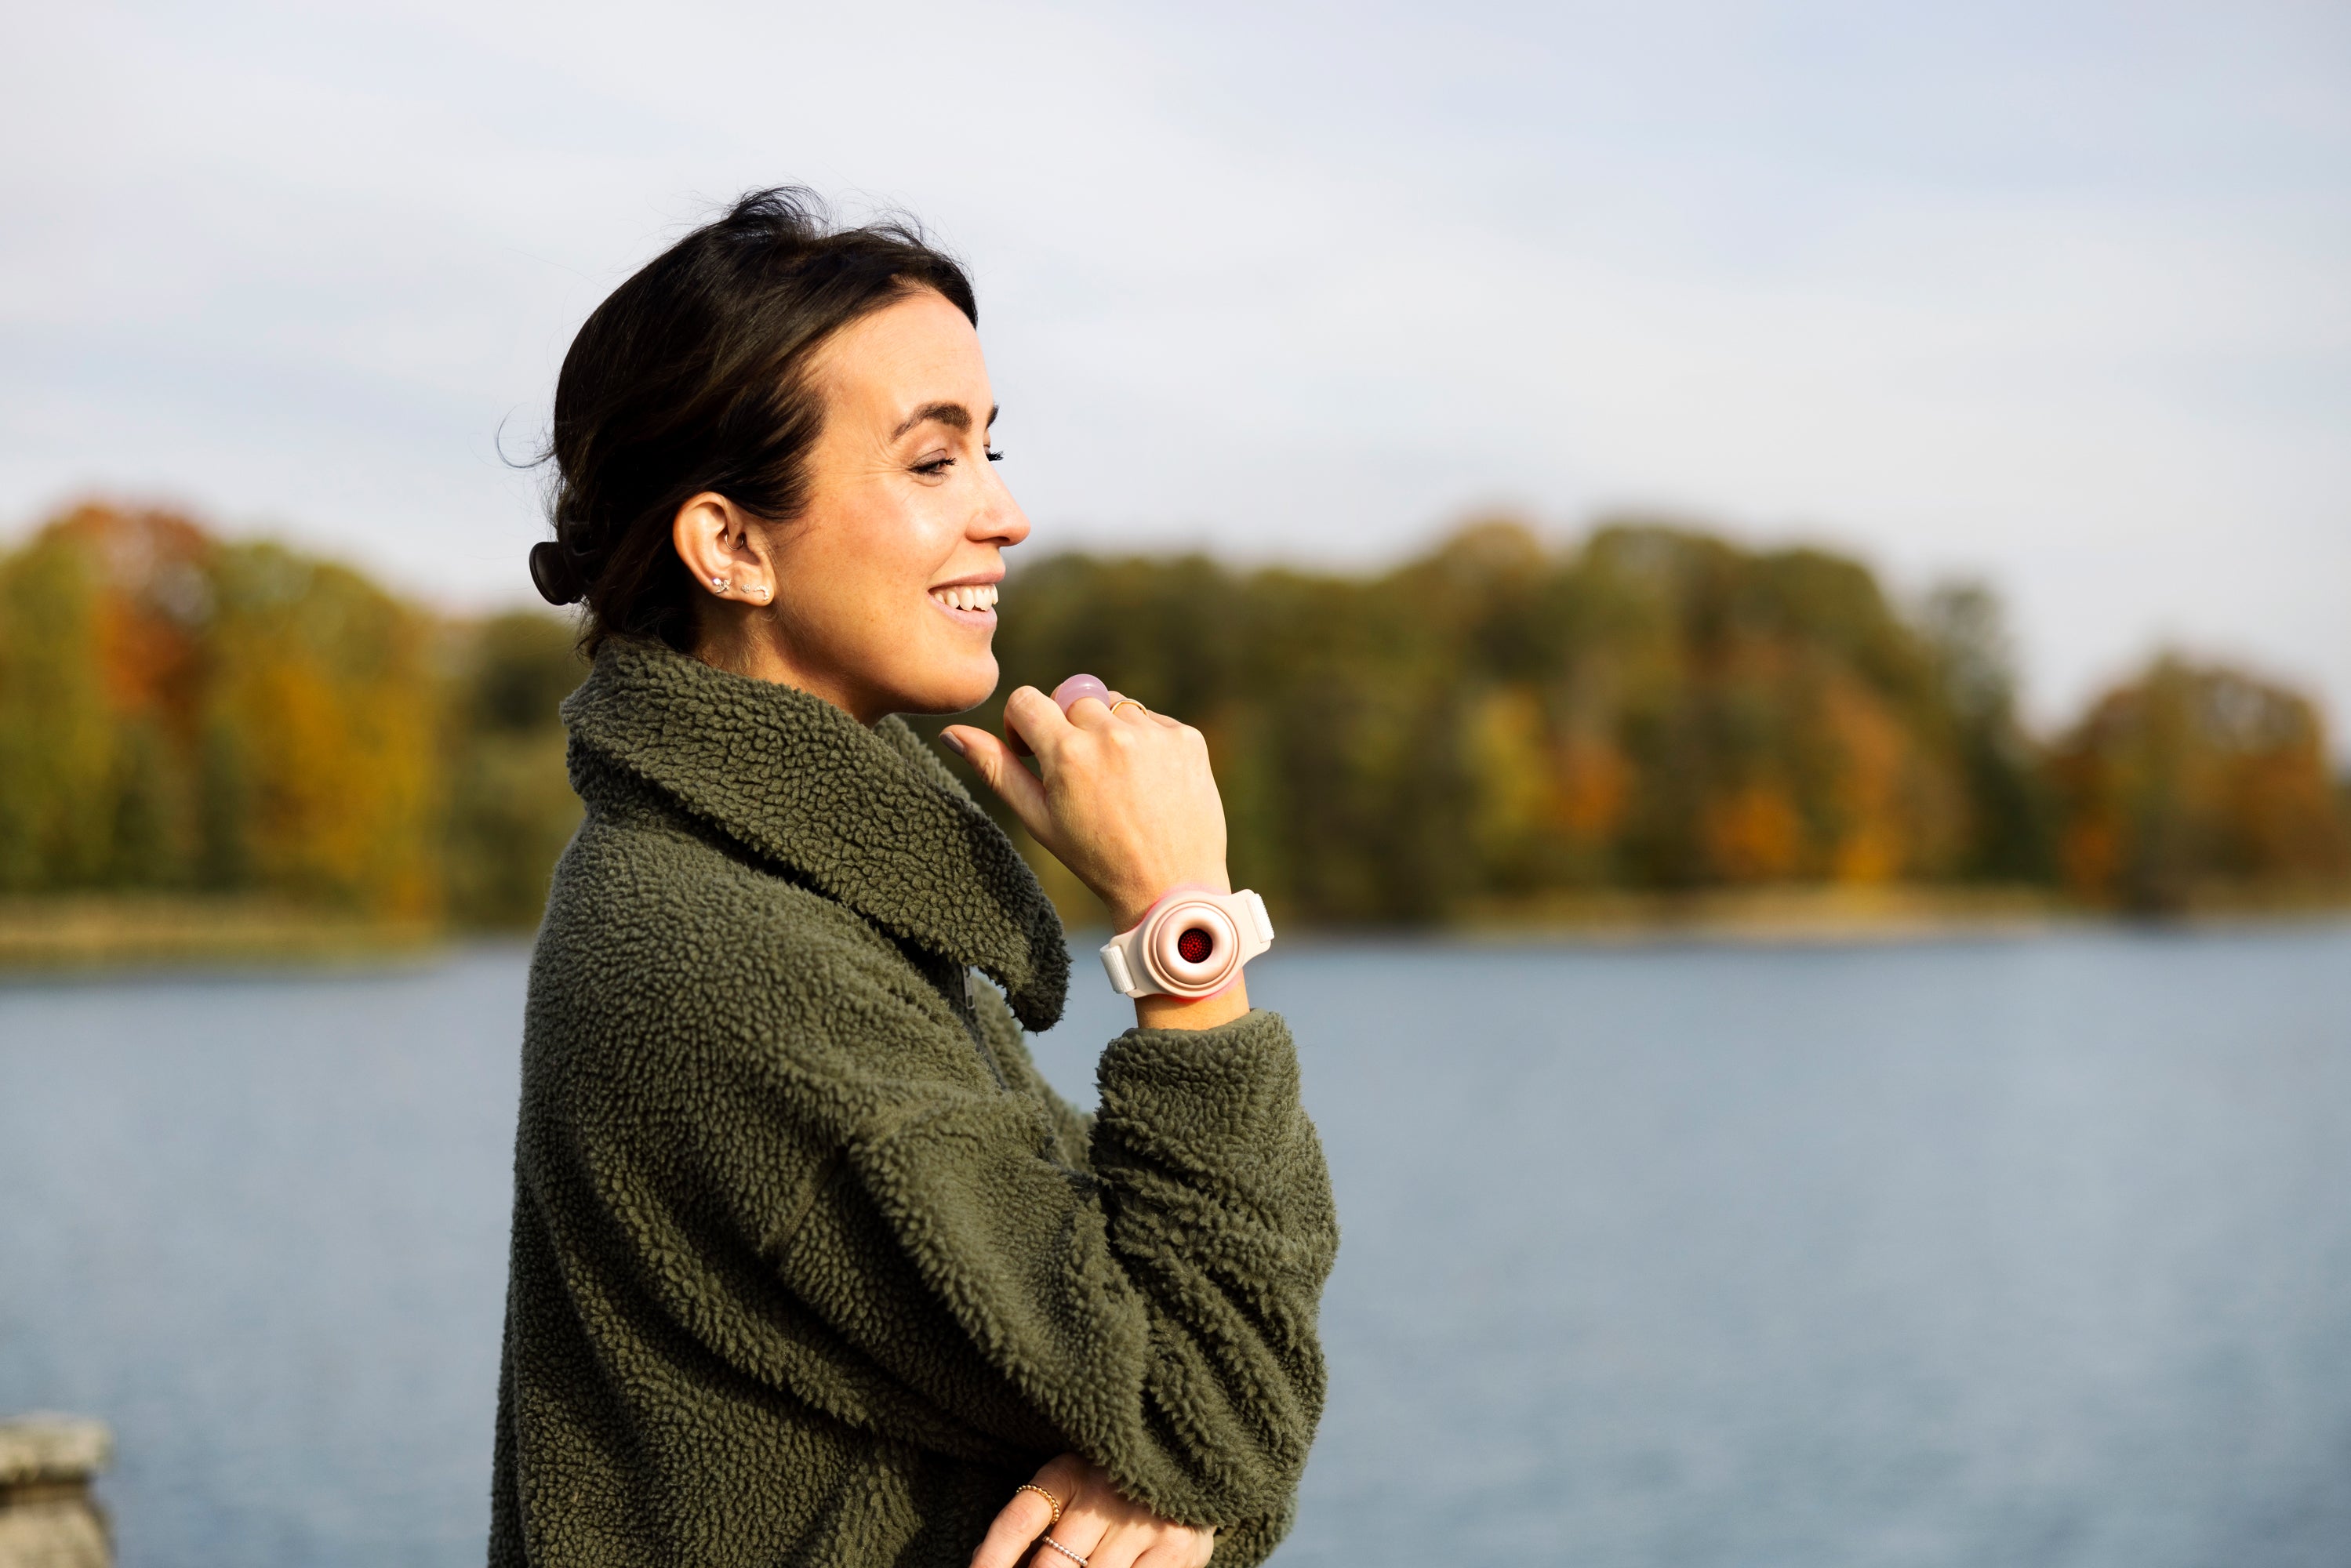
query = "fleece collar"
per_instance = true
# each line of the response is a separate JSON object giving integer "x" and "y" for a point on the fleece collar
{"x": 868, "y": 817}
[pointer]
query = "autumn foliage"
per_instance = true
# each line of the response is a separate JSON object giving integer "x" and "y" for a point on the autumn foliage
{"x": 2191, "y": 779}
{"x": 1491, "y": 725}
{"x": 177, "y": 713}
{"x": 1496, "y": 722}
{"x": 1657, "y": 709}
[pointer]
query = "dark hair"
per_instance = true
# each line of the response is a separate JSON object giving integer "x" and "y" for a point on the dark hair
{"x": 693, "y": 377}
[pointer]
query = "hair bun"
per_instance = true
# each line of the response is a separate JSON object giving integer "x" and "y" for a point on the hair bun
{"x": 556, "y": 574}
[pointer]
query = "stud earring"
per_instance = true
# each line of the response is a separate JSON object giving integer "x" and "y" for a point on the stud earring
{"x": 718, "y": 582}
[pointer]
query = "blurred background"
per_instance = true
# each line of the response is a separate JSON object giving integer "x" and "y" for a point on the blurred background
{"x": 1766, "y": 582}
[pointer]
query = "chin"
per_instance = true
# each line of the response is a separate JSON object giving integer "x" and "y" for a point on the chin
{"x": 953, "y": 690}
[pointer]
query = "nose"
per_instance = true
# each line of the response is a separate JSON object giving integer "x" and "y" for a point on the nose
{"x": 1000, "y": 521}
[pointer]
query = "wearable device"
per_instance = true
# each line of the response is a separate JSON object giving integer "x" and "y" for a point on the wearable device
{"x": 1192, "y": 942}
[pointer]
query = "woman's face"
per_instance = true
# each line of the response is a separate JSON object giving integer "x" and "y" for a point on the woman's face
{"x": 885, "y": 587}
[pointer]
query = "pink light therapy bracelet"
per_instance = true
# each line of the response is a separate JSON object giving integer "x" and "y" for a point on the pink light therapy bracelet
{"x": 1190, "y": 943}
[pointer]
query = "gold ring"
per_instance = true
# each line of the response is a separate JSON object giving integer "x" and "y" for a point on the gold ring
{"x": 1126, "y": 702}
{"x": 1051, "y": 1500}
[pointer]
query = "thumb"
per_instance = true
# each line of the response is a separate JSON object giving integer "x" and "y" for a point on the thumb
{"x": 1002, "y": 772}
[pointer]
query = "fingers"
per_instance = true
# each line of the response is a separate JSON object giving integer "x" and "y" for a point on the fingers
{"x": 1066, "y": 1476}
{"x": 1157, "y": 1544}
{"x": 1092, "y": 713}
{"x": 1181, "y": 1550}
{"x": 1086, "y": 1496}
{"x": 1036, "y": 720}
{"x": 1001, "y": 771}
{"x": 1018, "y": 1523}
{"x": 1096, "y": 1523}
{"x": 1027, "y": 716}
{"x": 1143, "y": 1542}
{"x": 1178, "y": 1548}
{"x": 1117, "y": 1549}
{"x": 1086, "y": 1533}
{"x": 1137, "y": 713}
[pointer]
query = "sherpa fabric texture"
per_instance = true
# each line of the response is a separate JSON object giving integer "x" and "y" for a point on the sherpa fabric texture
{"x": 809, "y": 1265}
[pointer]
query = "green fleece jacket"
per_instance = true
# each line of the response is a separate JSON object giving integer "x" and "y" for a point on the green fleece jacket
{"x": 809, "y": 1265}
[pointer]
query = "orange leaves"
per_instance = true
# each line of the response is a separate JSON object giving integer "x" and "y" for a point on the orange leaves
{"x": 2191, "y": 780}
{"x": 339, "y": 780}
{"x": 178, "y": 712}
{"x": 1753, "y": 834}
{"x": 1593, "y": 783}
{"x": 146, "y": 571}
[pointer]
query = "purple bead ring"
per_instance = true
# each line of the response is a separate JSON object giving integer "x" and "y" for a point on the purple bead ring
{"x": 1070, "y": 693}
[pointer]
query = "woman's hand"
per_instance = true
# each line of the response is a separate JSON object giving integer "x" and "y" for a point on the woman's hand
{"x": 1096, "y": 1525}
{"x": 1127, "y": 800}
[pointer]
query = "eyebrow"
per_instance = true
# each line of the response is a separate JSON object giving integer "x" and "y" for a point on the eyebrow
{"x": 952, "y": 414}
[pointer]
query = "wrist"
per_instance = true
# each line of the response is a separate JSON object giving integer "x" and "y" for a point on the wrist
{"x": 1192, "y": 1012}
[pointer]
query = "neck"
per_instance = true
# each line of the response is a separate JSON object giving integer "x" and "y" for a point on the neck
{"x": 744, "y": 641}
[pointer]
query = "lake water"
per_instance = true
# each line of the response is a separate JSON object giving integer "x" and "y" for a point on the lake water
{"x": 2021, "y": 1252}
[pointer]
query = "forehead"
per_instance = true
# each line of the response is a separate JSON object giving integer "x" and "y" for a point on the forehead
{"x": 913, "y": 350}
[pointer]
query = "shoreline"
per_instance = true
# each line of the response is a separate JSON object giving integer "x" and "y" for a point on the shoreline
{"x": 85, "y": 935}
{"x": 1793, "y": 918}
{"x": 73, "y": 935}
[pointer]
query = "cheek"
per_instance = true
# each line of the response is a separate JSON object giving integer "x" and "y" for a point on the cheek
{"x": 893, "y": 566}
{"x": 862, "y": 582}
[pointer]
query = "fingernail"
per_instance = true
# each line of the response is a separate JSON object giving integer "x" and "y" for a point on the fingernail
{"x": 952, "y": 743}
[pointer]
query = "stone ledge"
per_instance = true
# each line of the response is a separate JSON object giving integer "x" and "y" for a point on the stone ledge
{"x": 45, "y": 1449}
{"x": 47, "y": 1518}
{"x": 54, "y": 1535}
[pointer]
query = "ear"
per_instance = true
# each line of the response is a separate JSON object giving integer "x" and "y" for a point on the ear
{"x": 724, "y": 549}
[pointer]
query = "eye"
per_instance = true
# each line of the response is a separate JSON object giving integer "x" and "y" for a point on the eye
{"x": 931, "y": 467}
{"x": 995, "y": 455}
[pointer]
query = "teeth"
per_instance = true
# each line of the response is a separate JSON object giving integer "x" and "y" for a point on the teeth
{"x": 981, "y": 596}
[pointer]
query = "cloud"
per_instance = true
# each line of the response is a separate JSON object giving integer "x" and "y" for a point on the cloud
{"x": 2049, "y": 295}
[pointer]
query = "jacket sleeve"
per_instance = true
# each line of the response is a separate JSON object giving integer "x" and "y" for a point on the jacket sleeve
{"x": 1161, "y": 1315}
{"x": 1154, "y": 1311}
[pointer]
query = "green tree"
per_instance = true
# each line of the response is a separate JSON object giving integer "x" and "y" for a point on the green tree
{"x": 511, "y": 808}
{"x": 2013, "y": 826}
{"x": 2192, "y": 780}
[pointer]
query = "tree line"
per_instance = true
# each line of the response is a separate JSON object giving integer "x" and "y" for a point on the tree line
{"x": 1492, "y": 724}
{"x": 180, "y": 713}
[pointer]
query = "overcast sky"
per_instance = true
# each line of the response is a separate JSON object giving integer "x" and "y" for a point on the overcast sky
{"x": 2055, "y": 294}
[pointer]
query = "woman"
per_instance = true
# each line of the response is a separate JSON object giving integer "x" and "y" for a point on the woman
{"x": 809, "y": 1265}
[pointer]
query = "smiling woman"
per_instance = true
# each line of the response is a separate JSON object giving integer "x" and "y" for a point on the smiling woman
{"x": 810, "y": 1264}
